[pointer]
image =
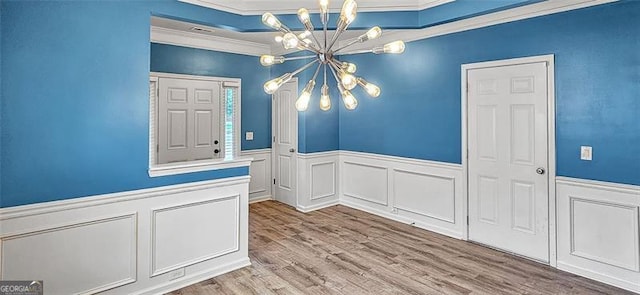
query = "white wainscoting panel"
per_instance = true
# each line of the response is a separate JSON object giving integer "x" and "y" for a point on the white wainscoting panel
{"x": 260, "y": 171}
{"x": 426, "y": 194}
{"x": 129, "y": 242}
{"x": 365, "y": 181}
{"x": 317, "y": 180}
{"x": 106, "y": 246}
{"x": 173, "y": 247}
{"x": 598, "y": 231}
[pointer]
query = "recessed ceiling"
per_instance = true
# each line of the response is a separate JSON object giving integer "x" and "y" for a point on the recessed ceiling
{"x": 257, "y": 7}
{"x": 266, "y": 38}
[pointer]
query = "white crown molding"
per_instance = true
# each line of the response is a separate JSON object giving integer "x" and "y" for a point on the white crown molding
{"x": 500, "y": 17}
{"x": 255, "y": 7}
{"x": 195, "y": 40}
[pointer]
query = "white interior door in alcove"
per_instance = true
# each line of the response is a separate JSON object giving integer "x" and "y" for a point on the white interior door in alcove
{"x": 285, "y": 143}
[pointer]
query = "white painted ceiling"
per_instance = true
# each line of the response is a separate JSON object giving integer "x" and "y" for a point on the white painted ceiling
{"x": 257, "y": 7}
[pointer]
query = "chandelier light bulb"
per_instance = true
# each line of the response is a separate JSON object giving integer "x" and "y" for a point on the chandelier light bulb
{"x": 302, "y": 103}
{"x": 349, "y": 67}
{"x": 349, "y": 10}
{"x": 350, "y": 102}
{"x": 371, "y": 89}
{"x": 348, "y": 81}
{"x": 303, "y": 16}
{"x": 325, "y": 99}
{"x": 270, "y": 20}
{"x": 271, "y": 86}
{"x": 289, "y": 41}
{"x": 268, "y": 60}
{"x": 278, "y": 39}
{"x": 394, "y": 47}
{"x": 304, "y": 34}
{"x": 373, "y": 33}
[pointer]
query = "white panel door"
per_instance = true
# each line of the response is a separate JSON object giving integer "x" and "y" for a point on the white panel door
{"x": 188, "y": 120}
{"x": 285, "y": 143}
{"x": 508, "y": 184}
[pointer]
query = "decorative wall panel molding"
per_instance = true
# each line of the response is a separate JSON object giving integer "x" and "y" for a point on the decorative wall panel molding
{"x": 147, "y": 241}
{"x": 260, "y": 172}
{"x": 598, "y": 231}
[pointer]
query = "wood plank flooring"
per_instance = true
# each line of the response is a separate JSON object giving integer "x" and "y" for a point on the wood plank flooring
{"x": 339, "y": 250}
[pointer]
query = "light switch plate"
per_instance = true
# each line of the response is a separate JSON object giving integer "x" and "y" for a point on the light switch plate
{"x": 586, "y": 153}
{"x": 249, "y": 136}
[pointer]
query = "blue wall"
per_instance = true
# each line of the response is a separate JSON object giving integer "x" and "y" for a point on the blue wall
{"x": 75, "y": 98}
{"x": 256, "y": 105}
{"x": 597, "y": 56}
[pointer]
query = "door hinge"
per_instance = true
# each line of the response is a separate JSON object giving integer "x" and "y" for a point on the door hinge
{"x": 274, "y": 181}
{"x": 157, "y": 148}
{"x": 274, "y": 139}
{"x": 467, "y": 219}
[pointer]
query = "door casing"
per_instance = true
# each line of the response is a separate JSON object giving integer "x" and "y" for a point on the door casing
{"x": 551, "y": 134}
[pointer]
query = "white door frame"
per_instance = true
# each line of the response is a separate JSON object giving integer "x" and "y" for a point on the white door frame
{"x": 551, "y": 134}
{"x": 274, "y": 150}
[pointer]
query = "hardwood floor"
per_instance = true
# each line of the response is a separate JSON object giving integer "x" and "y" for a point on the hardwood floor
{"x": 339, "y": 250}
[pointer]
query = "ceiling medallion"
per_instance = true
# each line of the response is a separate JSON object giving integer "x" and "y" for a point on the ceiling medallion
{"x": 325, "y": 55}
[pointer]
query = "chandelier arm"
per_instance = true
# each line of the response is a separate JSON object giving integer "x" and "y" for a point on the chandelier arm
{"x": 336, "y": 77}
{"x": 300, "y": 57}
{"x": 303, "y": 68}
{"x": 325, "y": 74}
{"x": 347, "y": 45}
{"x": 315, "y": 75}
{"x": 334, "y": 39}
{"x": 316, "y": 40}
{"x": 355, "y": 52}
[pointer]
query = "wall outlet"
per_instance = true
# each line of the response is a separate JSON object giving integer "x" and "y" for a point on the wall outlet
{"x": 586, "y": 153}
{"x": 249, "y": 136}
{"x": 178, "y": 273}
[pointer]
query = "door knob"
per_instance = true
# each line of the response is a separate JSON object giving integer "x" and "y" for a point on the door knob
{"x": 216, "y": 151}
{"x": 292, "y": 150}
{"x": 540, "y": 170}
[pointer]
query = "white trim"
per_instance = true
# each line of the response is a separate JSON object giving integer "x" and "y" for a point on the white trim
{"x": 599, "y": 185}
{"x": 551, "y": 135}
{"x": 196, "y": 278}
{"x": 261, "y": 199}
{"x": 405, "y": 220}
{"x": 500, "y": 17}
{"x": 197, "y": 166}
{"x": 248, "y": 7}
{"x": 404, "y": 160}
{"x": 97, "y": 200}
{"x": 156, "y": 170}
{"x": 307, "y": 209}
{"x": 201, "y": 41}
{"x": 598, "y": 276}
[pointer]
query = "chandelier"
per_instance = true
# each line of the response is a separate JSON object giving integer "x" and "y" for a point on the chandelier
{"x": 325, "y": 56}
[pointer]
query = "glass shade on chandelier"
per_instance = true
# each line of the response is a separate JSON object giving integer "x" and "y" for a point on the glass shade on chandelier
{"x": 325, "y": 55}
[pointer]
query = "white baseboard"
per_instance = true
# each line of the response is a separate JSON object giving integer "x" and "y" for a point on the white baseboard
{"x": 600, "y": 277}
{"x": 260, "y": 199}
{"x": 308, "y": 209}
{"x": 395, "y": 217}
{"x": 196, "y": 278}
